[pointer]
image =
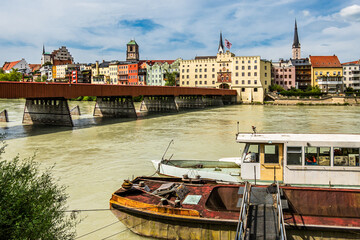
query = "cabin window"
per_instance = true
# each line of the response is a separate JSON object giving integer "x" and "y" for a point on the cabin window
{"x": 252, "y": 154}
{"x": 294, "y": 155}
{"x": 317, "y": 156}
{"x": 271, "y": 154}
{"x": 346, "y": 156}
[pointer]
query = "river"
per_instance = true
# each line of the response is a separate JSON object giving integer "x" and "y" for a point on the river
{"x": 95, "y": 156}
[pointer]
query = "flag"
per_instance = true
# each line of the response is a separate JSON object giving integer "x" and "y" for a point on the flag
{"x": 227, "y": 44}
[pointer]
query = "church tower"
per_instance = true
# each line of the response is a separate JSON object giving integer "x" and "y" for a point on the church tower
{"x": 296, "y": 45}
{"x": 221, "y": 45}
{"x": 132, "y": 51}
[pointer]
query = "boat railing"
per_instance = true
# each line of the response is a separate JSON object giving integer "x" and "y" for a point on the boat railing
{"x": 280, "y": 215}
{"x": 244, "y": 211}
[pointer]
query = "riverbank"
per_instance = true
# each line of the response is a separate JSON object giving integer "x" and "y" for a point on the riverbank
{"x": 327, "y": 100}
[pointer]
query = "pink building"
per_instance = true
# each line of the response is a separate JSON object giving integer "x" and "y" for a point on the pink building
{"x": 283, "y": 74}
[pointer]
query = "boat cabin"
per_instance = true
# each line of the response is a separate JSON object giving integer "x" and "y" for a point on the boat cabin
{"x": 310, "y": 159}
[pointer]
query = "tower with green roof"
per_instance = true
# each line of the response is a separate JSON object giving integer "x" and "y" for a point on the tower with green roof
{"x": 132, "y": 51}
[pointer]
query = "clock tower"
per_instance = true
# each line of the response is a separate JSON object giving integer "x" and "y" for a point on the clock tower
{"x": 132, "y": 51}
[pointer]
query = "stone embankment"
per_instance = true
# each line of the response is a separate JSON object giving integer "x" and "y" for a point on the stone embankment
{"x": 325, "y": 100}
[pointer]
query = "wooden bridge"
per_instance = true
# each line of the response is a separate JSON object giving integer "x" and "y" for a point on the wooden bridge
{"x": 46, "y": 103}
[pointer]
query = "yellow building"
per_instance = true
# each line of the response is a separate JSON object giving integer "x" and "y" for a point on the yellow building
{"x": 326, "y": 73}
{"x": 113, "y": 72}
{"x": 249, "y": 75}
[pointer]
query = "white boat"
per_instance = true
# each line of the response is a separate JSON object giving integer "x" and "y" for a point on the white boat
{"x": 226, "y": 169}
{"x": 330, "y": 160}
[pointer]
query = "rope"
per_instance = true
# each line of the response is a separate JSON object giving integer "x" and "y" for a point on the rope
{"x": 97, "y": 229}
{"x": 88, "y": 210}
{"x": 121, "y": 231}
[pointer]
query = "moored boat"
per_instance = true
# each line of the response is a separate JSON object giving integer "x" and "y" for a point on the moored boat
{"x": 298, "y": 159}
{"x": 175, "y": 208}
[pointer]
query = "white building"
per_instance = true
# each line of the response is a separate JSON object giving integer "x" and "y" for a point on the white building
{"x": 351, "y": 74}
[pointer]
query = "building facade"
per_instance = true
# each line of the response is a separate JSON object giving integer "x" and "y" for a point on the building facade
{"x": 327, "y": 73}
{"x": 61, "y": 56}
{"x": 21, "y": 66}
{"x": 283, "y": 74}
{"x": 250, "y": 75}
{"x": 302, "y": 73}
{"x": 351, "y": 74}
{"x": 156, "y": 71}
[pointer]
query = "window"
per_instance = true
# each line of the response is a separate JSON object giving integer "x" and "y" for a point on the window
{"x": 249, "y": 74}
{"x": 200, "y": 82}
{"x": 213, "y": 69}
{"x": 248, "y": 61}
{"x": 243, "y": 74}
{"x": 243, "y": 67}
{"x": 200, "y": 70}
{"x": 242, "y": 81}
{"x": 255, "y": 74}
{"x": 182, "y": 82}
{"x": 187, "y": 82}
{"x": 187, "y": 76}
{"x": 195, "y": 76}
{"x": 294, "y": 155}
{"x": 213, "y": 75}
{"x": 255, "y": 67}
{"x": 243, "y": 89}
{"x": 317, "y": 156}
{"x": 252, "y": 153}
{"x": 255, "y": 61}
{"x": 249, "y": 67}
{"x": 265, "y": 74}
{"x": 237, "y": 74}
{"x": 271, "y": 154}
{"x": 213, "y": 82}
{"x": 255, "y": 89}
{"x": 255, "y": 81}
{"x": 236, "y": 82}
{"x": 205, "y": 70}
{"x": 187, "y": 70}
{"x": 265, "y": 67}
{"x": 205, "y": 82}
{"x": 195, "y": 82}
{"x": 196, "y": 70}
{"x": 346, "y": 156}
{"x": 249, "y": 81}
{"x": 205, "y": 76}
{"x": 237, "y": 68}
{"x": 265, "y": 82}
{"x": 320, "y": 73}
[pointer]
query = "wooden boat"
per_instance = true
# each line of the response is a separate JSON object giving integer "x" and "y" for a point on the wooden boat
{"x": 175, "y": 208}
{"x": 298, "y": 159}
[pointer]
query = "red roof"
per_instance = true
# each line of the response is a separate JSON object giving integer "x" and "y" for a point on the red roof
{"x": 9, "y": 65}
{"x": 34, "y": 67}
{"x": 325, "y": 61}
{"x": 353, "y": 62}
{"x": 150, "y": 62}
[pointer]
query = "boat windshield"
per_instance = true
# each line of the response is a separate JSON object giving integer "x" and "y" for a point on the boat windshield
{"x": 252, "y": 153}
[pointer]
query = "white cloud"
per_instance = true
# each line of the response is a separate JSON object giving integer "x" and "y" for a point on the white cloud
{"x": 91, "y": 29}
{"x": 351, "y": 12}
{"x": 305, "y": 13}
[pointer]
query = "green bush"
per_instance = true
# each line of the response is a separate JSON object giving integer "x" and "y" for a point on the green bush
{"x": 32, "y": 204}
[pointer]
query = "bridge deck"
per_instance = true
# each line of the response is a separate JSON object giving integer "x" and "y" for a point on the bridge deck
{"x": 68, "y": 91}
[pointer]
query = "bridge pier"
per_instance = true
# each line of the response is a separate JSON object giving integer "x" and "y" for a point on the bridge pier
{"x": 159, "y": 104}
{"x": 116, "y": 107}
{"x": 213, "y": 101}
{"x": 4, "y": 116}
{"x": 47, "y": 111}
{"x": 189, "y": 102}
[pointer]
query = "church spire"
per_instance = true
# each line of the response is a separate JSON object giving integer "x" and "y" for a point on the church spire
{"x": 296, "y": 43}
{"x": 221, "y": 44}
{"x": 43, "y": 49}
{"x": 296, "y": 49}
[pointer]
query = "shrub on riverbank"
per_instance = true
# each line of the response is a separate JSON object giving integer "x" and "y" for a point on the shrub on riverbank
{"x": 85, "y": 98}
{"x": 32, "y": 204}
{"x": 310, "y": 92}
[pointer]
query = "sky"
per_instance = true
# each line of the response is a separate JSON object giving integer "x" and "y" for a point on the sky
{"x": 168, "y": 29}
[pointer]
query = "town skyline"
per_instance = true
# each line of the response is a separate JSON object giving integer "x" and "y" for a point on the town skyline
{"x": 168, "y": 30}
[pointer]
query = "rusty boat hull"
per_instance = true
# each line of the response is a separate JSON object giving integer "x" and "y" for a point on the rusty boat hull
{"x": 215, "y": 212}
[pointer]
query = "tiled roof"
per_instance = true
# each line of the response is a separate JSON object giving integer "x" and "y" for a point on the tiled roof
{"x": 34, "y": 67}
{"x": 353, "y": 62}
{"x": 9, "y": 65}
{"x": 151, "y": 62}
{"x": 205, "y": 57}
{"x": 325, "y": 61}
{"x": 132, "y": 42}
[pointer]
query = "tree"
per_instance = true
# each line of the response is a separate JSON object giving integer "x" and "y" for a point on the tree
{"x": 170, "y": 78}
{"x": 32, "y": 205}
{"x": 14, "y": 75}
{"x": 43, "y": 78}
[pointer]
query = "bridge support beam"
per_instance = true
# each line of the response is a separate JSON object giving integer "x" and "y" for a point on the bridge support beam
{"x": 159, "y": 104}
{"x": 190, "y": 102}
{"x": 115, "y": 107}
{"x": 47, "y": 111}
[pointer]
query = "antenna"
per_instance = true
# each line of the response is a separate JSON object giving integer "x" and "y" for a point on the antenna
{"x": 172, "y": 141}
